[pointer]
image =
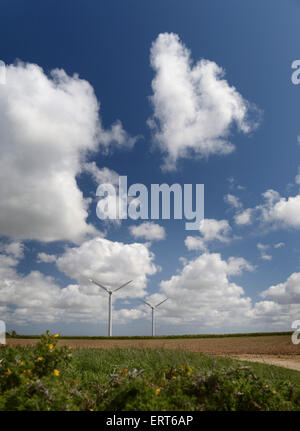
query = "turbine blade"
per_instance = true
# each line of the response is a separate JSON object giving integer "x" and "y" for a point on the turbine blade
{"x": 161, "y": 302}
{"x": 123, "y": 285}
{"x": 147, "y": 303}
{"x": 98, "y": 284}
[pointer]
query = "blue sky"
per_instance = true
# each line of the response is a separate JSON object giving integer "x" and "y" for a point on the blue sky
{"x": 239, "y": 274}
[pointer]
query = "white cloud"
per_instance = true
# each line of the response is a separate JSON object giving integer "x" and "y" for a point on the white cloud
{"x": 203, "y": 292}
{"x": 103, "y": 175}
{"x": 210, "y": 230}
{"x": 46, "y": 258}
{"x": 36, "y": 297}
{"x": 263, "y": 254}
{"x": 48, "y": 125}
{"x": 287, "y": 292}
{"x": 261, "y": 246}
{"x": 14, "y": 248}
{"x": 285, "y": 212}
{"x": 244, "y": 217}
{"x": 237, "y": 265}
{"x": 233, "y": 201}
{"x": 233, "y": 184}
{"x": 279, "y": 245}
{"x": 266, "y": 256}
{"x": 194, "y": 106}
{"x": 148, "y": 230}
{"x": 117, "y": 137}
{"x": 111, "y": 263}
{"x": 276, "y": 211}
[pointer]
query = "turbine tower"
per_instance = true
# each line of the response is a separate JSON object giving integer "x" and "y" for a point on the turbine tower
{"x": 110, "y": 292}
{"x": 153, "y": 307}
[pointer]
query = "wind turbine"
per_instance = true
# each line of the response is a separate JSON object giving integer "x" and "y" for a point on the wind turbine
{"x": 110, "y": 292}
{"x": 153, "y": 307}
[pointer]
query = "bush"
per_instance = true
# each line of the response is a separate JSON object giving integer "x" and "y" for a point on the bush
{"x": 184, "y": 388}
{"x": 44, "y": 377}
{"x": 30, "y": 377}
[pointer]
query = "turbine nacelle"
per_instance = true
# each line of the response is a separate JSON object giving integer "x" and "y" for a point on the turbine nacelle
{"x": 153, "y": 306}
{"x": 109, "y": 291}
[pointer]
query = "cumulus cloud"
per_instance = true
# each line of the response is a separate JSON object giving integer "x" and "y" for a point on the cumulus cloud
{"x": 36, "y": 297}
{"x": 203, "y": 292}
{"x": 14, "y": 248}
{"x": 117, "y": 137}
{"x": 285, "y": 212}
{"x": 46, "y": 258}
{"x": 287, "y": 292}
{"x": 111, "y": 263}
{"x": 276, "y": 211}
{"x": 233, "y": 201}
{"x": 210, "y": 230}
{"x": 244, "y": 217}
{"x": 194, "y": 106}
{"x": 103, "y": 175}
{"x": 48, "y": 126}
{"x": 148, "y": 230}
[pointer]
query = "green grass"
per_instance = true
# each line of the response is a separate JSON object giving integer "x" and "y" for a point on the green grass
{"x": 160, "y": 337}
{"x": 97, "y": 364}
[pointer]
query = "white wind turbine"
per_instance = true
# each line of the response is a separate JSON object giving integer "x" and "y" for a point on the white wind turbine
{"x": 110, "y": 292}
{"x": 153, "y": 307}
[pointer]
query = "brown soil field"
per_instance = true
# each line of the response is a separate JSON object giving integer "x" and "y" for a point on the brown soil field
{"x": 275, "y": 350}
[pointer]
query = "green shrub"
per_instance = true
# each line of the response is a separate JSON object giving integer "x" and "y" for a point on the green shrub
{"x": 185, "y": 388}
{"x": 30, "y": 377}
{"x": 46, "y": 377}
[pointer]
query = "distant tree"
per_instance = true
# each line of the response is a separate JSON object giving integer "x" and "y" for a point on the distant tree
{"x": 13, "y": 333}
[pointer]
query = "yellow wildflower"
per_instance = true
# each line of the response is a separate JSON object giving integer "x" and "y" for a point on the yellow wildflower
{"x": 56, "y": 373}
{"x": 51, "y": 346}
{"x": 56, "y": 335}
{"x": 189, "y": 371}
{"x": 8, "y": 372}
{"x": 157, "y": 391}
{"x": 40, "y": 358}
{"x": 70, "y": 347}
